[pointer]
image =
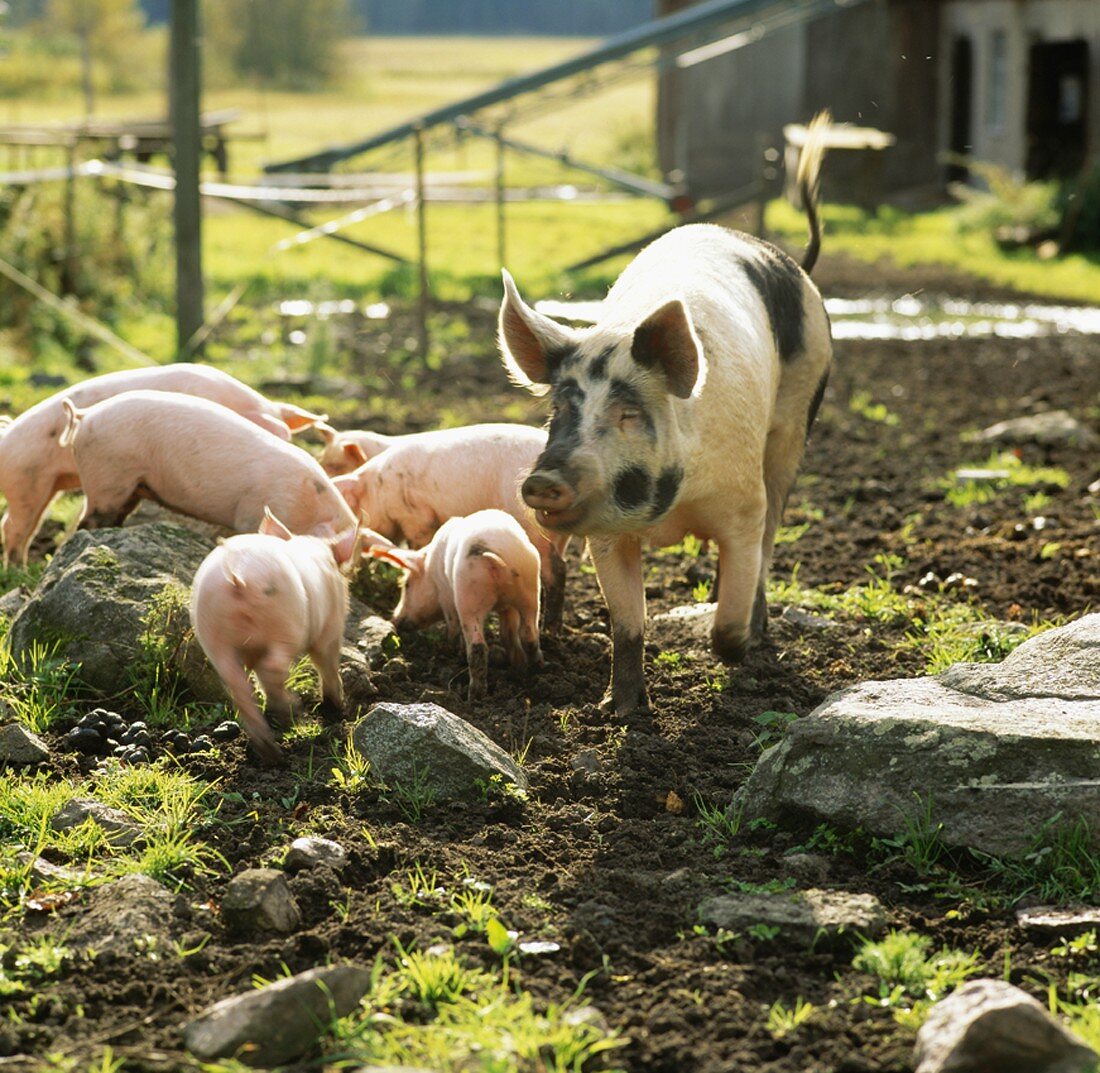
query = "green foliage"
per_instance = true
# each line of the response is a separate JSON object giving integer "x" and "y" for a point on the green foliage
{"x": 920, "y": 843}
{"x": 910, "y": 975}
{"x": 1014, "y": 474}
{"x": 783, "y": 1021}
{"x": 25, "y": 967}
{"x": 774, "y": 726}
{"x": 1080, "y": 207}
{"x": 286, "y": 43}
{"x": 719, "y": 824}
{"x": 38, "y": 687}
{"x": 860, "y": 403}
{"x": 431, "y": 1009}
{"x": 1007, "y": 202}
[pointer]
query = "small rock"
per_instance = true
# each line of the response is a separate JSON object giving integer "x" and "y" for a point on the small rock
{"x": 134, "y": 909}
{"x": 807, "y": 867}
{"x": 1052, "y": 427}
{"x": 990, "y": 1025}
{"x": 279, "y": 1022}
{"x": 19, "y": 746}
{"x": 46, "y": 872}
{"x": 428, "y": 746}
{"x": 121, "y": 829}
{"x": 806, "y": 620}
{"x": 376, "y": 636}
{"x": 1059, "y": 921}
{"x": 11, "y": 603}
{"x": 969, "y": 476}
{"x": 587, "y": 761}
{"x": 689, "y": 621}
{"x": 805, "y": 916}
{"x": 309, "y": 852}
{"x": 259, "y": 899}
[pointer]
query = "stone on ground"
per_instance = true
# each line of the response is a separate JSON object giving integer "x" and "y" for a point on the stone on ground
{"x": 279, "y": 1022}
{"x": 311, "y": 852}
{"x": 19, "y": 746}
{"x": 95, "y": 596}
{"x": 990, "y": 751}
{"x": 990, "y": 1025}
{"x": 427, "y": 747}
{"x": 129, "y": 916}
{"x": 46, "y": 872}
{"x": 259, "y": 899}
{"x": 1059, "y": 922}
{"x": 1048, "y": 429}
{"x": 806, "y": 917}
{"x": 121, "y": 829}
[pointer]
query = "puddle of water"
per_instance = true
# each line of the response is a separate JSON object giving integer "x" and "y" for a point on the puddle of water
{"x": 912, "y": 318}
{"x": 301, "y": 307}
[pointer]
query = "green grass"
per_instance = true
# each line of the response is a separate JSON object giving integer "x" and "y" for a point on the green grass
{"x": 38, "y": 688}
{"x": 1017, "y": 474}
{"x": 167, "y": 804}
{"x": 934, "y": 238}
{"x": 909, "y": 975}
{"x": 433, "y": 1010}
{"x": 784, "y": 1020}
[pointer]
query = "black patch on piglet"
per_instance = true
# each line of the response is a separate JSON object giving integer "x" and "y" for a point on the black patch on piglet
{"x": 778, "y": 280}
{"x": 632, "y": 487}
{"x": 668, "y": 487}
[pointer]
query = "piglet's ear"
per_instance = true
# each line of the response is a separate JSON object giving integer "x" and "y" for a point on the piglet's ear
{"x": 354, "y": 455}
{"x": 345, "y": 548}
{"x": 271, "y": 526}
{"x": 327, "y": 433}
{"x": 395, "y": 556}
{"x": 529, "y": 341}
{"x": 666, "y": 341}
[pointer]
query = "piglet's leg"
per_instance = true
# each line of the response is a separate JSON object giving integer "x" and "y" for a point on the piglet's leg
{"x": 509, "y": 635}
{"x": 273, "y": 670}
{"x": 740, "y": 561}
{"x": 529, "y": 633}
{"x": 618, "y": 562}
{"x": 327, "y": 661}
{"x": 473, "y": 603}
{"x": 255, "y": 726}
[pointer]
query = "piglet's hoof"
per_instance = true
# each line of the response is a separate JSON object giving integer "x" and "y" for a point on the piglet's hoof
{"x": 331, "y": 711}
{"x": 730, "y": 645}
{"x": 633, "y": 704}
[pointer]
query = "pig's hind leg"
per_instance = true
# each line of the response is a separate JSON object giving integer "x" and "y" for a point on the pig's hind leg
{"x": 473, "y": 604}
{"x": 236, "y": 680}
{"x": 273, "y": 669}
{"x": 510, "y": 637}
{"x": 24, "y": 516}
{"x": 326, "y": 658}
{"x": 740, "y": 562}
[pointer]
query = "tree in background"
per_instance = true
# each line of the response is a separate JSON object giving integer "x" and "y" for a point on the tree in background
{"x": 289, "y": 43}
{"x": 109, "y": 32}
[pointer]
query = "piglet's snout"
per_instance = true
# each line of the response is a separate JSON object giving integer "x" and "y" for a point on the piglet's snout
{"x": 547, "y": 491}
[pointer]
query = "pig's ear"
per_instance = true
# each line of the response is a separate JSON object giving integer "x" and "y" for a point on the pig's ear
{"x": 345, "y": 548}
{"x": 327, "y": 433}
{"x": 530, "y": 343}
{"x": 400, "y": 557}
{"x": 355, "y": 454}
{"x": 271, "y": 526}
{"x": 297, "y": 419}
{"x": 666, "y": 340}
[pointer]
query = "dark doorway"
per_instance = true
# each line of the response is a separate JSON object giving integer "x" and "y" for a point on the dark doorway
{"x": 962, "y": 85}
{"x": 1057, "y": 107}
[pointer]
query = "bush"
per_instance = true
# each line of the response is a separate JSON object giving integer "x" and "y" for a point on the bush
{"x": 1009, "y": 204}
{"x": 1080, "y": 205}
{"x": 286, "y": 43}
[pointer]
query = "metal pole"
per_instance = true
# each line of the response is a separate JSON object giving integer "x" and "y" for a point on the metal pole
{"x": 422, "y": 239}
{"x": 184, "y": 88}
{"x": 501, "y": 260}
{"x": 68, "y": 264}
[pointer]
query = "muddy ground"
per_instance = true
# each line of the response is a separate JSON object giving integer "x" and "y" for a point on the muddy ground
{"x": 618, "y": 866}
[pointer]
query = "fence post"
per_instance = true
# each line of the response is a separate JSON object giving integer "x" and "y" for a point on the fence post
{"x": 184, "y": 89}
{"x": 501, "y": 260}
{"x": 422, "y": 239}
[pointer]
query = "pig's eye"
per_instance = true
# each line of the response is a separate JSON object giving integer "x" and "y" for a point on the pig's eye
{"x": 629, "y": 413}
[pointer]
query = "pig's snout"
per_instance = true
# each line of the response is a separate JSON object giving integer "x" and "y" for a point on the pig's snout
{"x": 547, "y": 491}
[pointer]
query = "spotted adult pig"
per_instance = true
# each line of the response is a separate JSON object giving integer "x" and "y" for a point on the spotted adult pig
{"x": 35, "y": 467}
{"x": 684, "y": 408}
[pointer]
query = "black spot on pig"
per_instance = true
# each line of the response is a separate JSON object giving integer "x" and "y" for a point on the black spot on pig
{"x": 559, "y": 360}
{"x": 778, "y": 280}
{"x": 632, "y": 487}
{"x": 668, "y": 486}
{"x": 564, "y": 434}
{"x": 597, "y": 367}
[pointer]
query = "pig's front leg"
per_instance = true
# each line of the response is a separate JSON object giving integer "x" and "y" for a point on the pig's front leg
{"x": 326, "y": 658}
{"x": 739, "y": 561}
{"x": 552, "y": 572}
{"x": 618, "y": 562}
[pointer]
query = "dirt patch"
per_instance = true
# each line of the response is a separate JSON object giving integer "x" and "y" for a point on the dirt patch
{"x": 610, "y": 861}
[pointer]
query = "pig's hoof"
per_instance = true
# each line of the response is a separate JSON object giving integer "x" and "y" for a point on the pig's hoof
{"x": 622, "y": 707}
{"x": 331, "y": 711}
{"x": 730, "y": 645}
{"x": 269, "y": 752}
{"x": 280, "y": 716}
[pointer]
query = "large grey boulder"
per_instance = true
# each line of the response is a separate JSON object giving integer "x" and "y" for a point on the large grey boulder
{"x": 991, "y": 751}
{"x": 805, "y": 917}
{"x": 426, "y": 746}
{"x": 279, "y": 1022}
{"x": 107, "y": 593}
{"x": 989, "y": 1025}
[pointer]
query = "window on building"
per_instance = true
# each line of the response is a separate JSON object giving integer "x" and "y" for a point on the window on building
{"x": 996, "y": 111}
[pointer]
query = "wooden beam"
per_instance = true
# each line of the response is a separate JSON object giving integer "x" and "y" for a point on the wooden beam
{"x": 184, "y": 92}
